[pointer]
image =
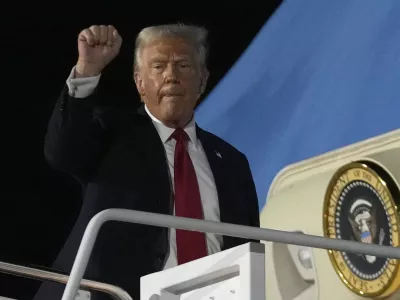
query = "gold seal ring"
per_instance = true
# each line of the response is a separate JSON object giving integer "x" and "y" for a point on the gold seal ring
{"x": 361, "y": 204}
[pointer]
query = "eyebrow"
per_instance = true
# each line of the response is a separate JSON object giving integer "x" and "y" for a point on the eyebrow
{"x": 158, "y": 58}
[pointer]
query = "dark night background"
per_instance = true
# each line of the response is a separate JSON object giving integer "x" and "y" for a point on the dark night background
{"x": 39, "y": 204}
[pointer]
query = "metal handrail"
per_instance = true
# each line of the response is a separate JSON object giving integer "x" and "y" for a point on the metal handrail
{"x": 28, "y": 272}
{"x": 160, "y": 220}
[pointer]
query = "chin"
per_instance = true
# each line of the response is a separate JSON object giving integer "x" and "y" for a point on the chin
{"x": 174, "y": 110}
{"x": 173, "y": 117}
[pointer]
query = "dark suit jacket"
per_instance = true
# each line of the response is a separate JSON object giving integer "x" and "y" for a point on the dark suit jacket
{"x": 120, "y": 160}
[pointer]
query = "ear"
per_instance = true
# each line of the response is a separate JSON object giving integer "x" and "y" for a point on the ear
{"x": 139, "y": 83}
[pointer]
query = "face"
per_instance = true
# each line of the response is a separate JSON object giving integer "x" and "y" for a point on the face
{"x": 169, "y": 81}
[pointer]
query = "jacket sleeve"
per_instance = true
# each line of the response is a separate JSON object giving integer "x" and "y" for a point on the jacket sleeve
{"x": 76, "y": 138}
{"x": 251, "y": 195}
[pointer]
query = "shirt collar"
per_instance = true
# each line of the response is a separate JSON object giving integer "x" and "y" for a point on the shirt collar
{"x": 165, "y": 132}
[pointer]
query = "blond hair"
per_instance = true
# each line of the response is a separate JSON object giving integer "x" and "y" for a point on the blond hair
{"x": 195, "y": 36}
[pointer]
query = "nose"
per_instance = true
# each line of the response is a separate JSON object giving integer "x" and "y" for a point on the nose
{"x": 171, "y": 74}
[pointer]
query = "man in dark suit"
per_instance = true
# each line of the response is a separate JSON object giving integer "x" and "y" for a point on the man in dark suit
{"x": 155, "y": 159}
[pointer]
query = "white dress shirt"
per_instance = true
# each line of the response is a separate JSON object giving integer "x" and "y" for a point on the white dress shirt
{"x": 83, "y": 87}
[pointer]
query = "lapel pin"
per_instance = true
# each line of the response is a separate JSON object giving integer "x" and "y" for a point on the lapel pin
{"x": 218, "y": 154}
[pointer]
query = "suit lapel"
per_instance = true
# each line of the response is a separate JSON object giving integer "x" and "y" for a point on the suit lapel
{"x": 217, "y": 162}
{"x": 153, "y": 152}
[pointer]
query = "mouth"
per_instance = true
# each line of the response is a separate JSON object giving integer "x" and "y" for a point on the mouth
{"x": 172, "y": 92}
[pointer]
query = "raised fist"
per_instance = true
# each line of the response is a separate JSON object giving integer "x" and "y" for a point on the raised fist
{"x": 98, "y": 45}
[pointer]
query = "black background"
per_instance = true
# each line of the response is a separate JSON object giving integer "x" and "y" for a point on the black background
{"x": 38, "y": 47}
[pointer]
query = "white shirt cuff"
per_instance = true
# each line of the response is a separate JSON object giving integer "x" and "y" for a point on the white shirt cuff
{"x": 81, "y": 87}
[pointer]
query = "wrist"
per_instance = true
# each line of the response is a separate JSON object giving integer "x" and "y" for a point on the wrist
{"x": 86, "y": 69}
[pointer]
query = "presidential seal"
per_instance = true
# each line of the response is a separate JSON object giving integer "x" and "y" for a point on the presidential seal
{"x": 361, "y": 204}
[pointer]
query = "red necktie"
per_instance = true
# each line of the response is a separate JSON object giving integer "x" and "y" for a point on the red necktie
{"x": 191, "y": 245}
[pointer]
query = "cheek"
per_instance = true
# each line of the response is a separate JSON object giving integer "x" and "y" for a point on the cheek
{"x": 194, "y": 87}
{"x": 152, "y": 87}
